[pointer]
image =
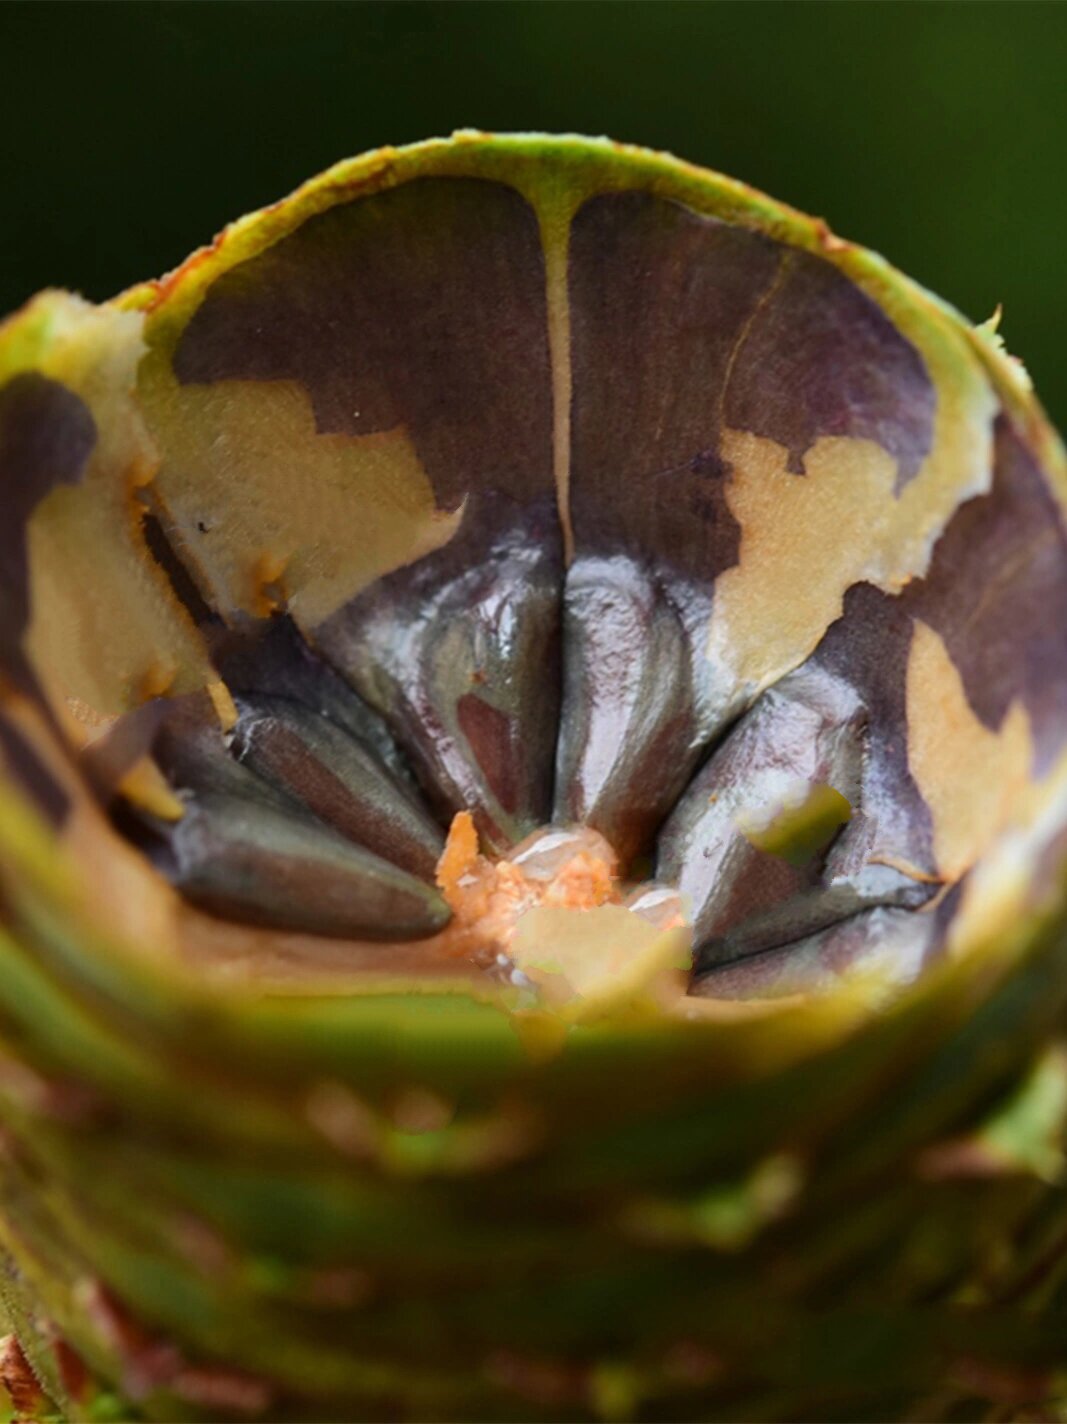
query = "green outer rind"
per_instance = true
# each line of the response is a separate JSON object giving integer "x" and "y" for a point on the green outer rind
{"x": 691, "y": 1223}
{"x": 818, "y": 1210}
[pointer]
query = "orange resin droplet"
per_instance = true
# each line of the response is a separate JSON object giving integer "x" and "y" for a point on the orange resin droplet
{"x": 567, "y": 869}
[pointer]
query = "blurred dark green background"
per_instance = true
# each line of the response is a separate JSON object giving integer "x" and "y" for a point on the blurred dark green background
{"x": 935, "y": 132}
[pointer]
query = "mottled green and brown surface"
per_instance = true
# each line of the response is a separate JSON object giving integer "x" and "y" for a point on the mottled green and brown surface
{"x": 533, "y": 729}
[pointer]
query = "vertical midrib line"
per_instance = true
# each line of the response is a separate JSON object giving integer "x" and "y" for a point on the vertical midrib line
{"x": 555, "y": 208}
{"x": 554, "y": 216}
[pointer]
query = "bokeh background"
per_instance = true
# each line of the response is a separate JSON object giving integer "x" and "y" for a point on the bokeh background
{"x": 935, "y": 132}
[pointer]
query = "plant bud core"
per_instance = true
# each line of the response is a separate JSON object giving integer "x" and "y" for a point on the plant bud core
{"x": 573, "y": 869}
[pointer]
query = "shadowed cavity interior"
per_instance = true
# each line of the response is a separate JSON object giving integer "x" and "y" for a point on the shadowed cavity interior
{"x": 642, "y": 523}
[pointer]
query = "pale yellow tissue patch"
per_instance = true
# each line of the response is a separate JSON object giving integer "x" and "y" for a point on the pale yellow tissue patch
{"x": 268, "y": 510}
{"x": 1003, "y": 900}
{"x": 143, "y": 783}
{"x": 974, "y": 780}
{"x": 105, "y": 628}
{"x": 123, "y": 894}
{"x": 806, "y": 539}
{"x": 605, "y": 960}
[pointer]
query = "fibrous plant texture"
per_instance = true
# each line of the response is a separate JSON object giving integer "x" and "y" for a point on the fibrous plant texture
{"x": 533, "y": 819}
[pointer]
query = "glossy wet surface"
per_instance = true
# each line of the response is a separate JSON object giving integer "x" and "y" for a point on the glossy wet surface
{"x": 304, "y": 815}
{"x": 568, "y": 494}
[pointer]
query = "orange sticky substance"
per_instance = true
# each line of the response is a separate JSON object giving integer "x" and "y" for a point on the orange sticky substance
{"x": 571, "y": 870}
{"x": 553, "y": 869}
